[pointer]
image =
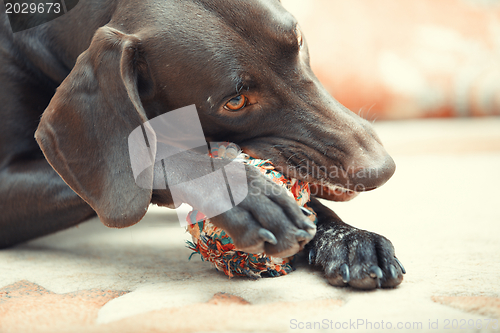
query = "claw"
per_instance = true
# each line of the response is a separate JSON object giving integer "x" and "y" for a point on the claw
{"x": 376, "y": 272}
{"x": 308, "y": 222}
{"x": 400, "y": 265}
{"x": 302, "y": 234}
{"x": 312, "y": 256}
{"x": 306, "y": 211}
{"x": 268, "y": 236}
{"x": 394, "y": 272}
{"x": 344, "y": 271}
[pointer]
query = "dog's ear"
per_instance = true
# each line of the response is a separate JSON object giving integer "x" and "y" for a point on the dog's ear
{"x": 84, "y": 131}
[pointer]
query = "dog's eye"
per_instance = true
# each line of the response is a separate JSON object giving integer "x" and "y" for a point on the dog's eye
{"x": 300, "y": 39}
{"x": 236, "y": 103}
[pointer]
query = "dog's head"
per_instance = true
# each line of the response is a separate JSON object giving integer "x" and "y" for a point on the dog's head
{"x": 249, "y": 75}
{"x": 244, "y": 64}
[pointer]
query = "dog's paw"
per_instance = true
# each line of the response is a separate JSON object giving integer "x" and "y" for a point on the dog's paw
{"x": 267, "y": 221}
{"x": 357, "y": 258}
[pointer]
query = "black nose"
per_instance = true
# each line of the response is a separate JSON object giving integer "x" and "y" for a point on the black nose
{"x": 372, "y": 174}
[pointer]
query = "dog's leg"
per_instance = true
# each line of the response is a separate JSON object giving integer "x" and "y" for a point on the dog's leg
{"x": 35, "y": 201}
{"x": 351, "y": 256}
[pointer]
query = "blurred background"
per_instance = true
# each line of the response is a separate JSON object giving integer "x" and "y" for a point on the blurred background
{"x": 431, "y": 70}
{"x": 406, "y": 59}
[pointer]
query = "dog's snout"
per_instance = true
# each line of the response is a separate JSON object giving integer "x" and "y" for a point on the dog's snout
{"x": 366, "y": 163}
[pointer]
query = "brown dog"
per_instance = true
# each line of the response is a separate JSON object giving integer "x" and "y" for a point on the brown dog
{"x": 244, "y": 64}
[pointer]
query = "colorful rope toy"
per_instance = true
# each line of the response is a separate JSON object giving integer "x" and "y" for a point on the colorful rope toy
{"x": 215, "y": 245}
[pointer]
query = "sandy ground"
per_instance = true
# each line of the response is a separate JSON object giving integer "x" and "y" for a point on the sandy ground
{"x": 440, "y": 210}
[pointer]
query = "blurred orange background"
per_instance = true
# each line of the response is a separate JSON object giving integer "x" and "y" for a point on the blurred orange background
{"x": 394, "y": 59}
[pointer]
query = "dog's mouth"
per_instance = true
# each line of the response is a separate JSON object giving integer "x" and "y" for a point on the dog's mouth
{"x": 334, "y": 173}
{"x": 331, "y": 192}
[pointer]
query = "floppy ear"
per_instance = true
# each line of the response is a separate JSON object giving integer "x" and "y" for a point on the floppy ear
{"x": 84, "y": 131}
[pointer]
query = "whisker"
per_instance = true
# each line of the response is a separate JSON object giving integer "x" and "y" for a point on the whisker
{"x": 291, "y": 157}
{"x": 361, "y": 112}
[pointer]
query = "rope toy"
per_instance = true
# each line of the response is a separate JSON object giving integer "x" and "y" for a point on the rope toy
{"x": 215, "y": 245}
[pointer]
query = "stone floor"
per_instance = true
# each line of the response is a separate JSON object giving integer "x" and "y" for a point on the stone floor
{"x": 440, "y": 210}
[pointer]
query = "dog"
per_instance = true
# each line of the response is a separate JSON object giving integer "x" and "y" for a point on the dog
{"x": 74, "y": 89}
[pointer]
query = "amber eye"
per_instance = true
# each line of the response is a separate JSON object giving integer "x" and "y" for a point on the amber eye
{"x": 237, "y": 103}
{"x": 300, "y": 39}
